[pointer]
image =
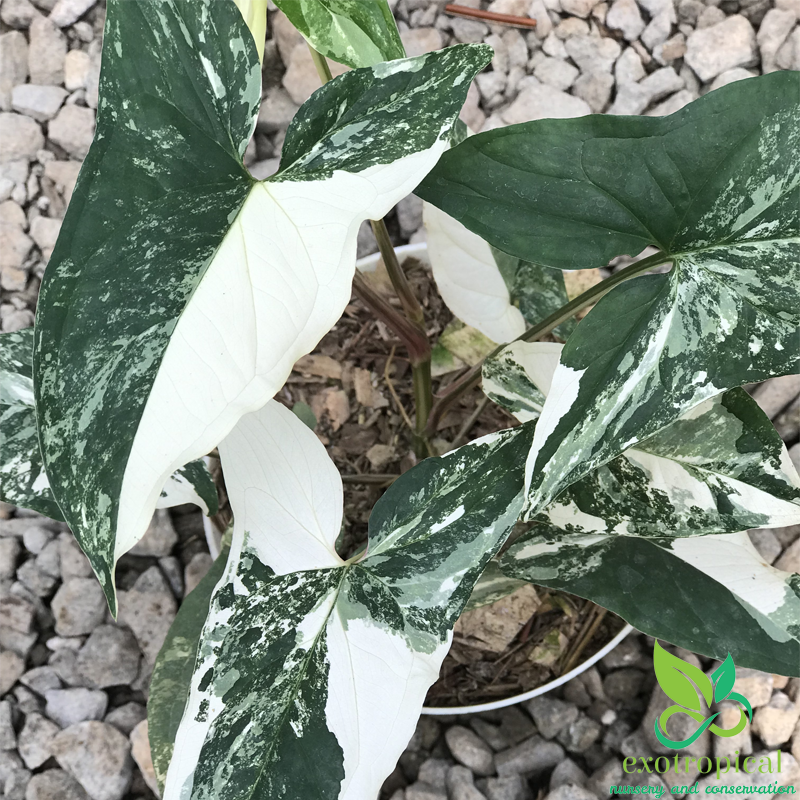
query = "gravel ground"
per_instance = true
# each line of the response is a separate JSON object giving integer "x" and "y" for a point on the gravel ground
{"x": 73, "y": 683}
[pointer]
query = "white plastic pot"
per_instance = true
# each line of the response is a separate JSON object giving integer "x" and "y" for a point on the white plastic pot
{"x": 420, "y": 251}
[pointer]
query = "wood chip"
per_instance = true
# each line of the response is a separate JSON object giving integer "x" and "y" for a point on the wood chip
{"x": 362, "y": 381}
{"x": 321, "y": 366}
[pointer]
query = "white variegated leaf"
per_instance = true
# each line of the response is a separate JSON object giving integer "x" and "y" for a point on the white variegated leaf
{"x": 710, "y": 594}
{"x": 497, "y": 294}
{"x": 181, "y": 291}
{"x": 719, "y": 468}
{"x": 311, "y": 671}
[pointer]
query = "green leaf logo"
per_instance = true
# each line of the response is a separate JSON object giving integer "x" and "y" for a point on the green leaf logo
{"x": 685, "y": 684}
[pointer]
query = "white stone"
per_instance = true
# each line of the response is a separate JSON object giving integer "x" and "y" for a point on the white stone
{"x": 592, "y": 53}
{"x": 556, "y": 73}
{"x": 773, "y": 32}
{"x": 712, "y": 51}
{"x": 13, "y": 65}
{"x": 554, "y": 47}
{"x": 46, "y": 53}
{"x": 39, "y": 102}
{"x": 538, "y": 11}
{"x": 301, "y": 79}
{"x": 20, "y": 137}
{"x": 76, "y": 70}
{"x": 140, "y": 750}
{"x": 672, "y": 104}
{"x": 789, "y": 55}
{"x": 73, "y": 130}
{"x": 70, "y": 706}
{"x": 580, "y": 8}
{"x": 66, "y": 12}
{"x": 44, "y": 231}
{"x": 730, "y": 76}
{"x": 544, "y": 102}
{"x": 661, "y": 83}
{"x": 658, "y": 29}
{"x": 628, "y": 68}
{"x": 595, "y": 88}
{"x": 624, "y": 16}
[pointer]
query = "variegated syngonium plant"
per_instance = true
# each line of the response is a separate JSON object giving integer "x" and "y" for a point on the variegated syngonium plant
{"x": 182, "y": 291}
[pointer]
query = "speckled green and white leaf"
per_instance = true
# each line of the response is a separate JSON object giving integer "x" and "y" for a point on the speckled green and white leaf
{"x": 311, "y": 671}
{"x": 181, "y": 292}
{"x": 518, "y": 378}
{"x": 172, "y": 673}
{"x": 719, "y": 468}
{"x": 22, "y": 478}
{"x": 359, "y": 33}
{"x": 676, "y": 589}
{"x": 716, "y": 187}
{"x": 496, "y": 293}
{"x": 194, "y": 484}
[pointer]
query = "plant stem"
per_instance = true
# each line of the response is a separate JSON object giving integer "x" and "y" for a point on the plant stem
{"x": 472, "y": 376}
{"x": 321, "y": 63}
{"x": 419, "y": 348}
{"x": 399, "y": 281}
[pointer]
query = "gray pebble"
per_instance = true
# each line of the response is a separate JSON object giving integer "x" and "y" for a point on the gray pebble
{"x": 470, "y": 750}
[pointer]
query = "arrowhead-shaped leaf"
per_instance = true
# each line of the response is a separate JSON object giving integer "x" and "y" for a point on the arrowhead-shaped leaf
{"x": 724, "y": 676}
{"x": 311, "y": 671}
{"x": 676, "y": 677}
{"x": 359, "y": 33}
{"x": 181, "y": 291}
{"x": 719, "y": 468}
{"x": 676, "y": 589}
{"x": 716, "y": 187}
{"x": 499, "y": 295}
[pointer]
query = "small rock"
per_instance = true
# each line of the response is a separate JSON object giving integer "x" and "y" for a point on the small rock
{"x": 730, "y": 76}
{"x": 301, "y": 79}
{"x": 515, "y": 725}
{"x": 470, "y": 750}
{"x": 73, "y": 130}
{"x": 601, "y": 781}
{"x": 679, "y": 727}
{"x": 469, "y": 31}
{"x": 16, "y": 613}
{"x": 532, "y": 756}
{"x": 461, "y": 785}
{"x": 544, "y": 102}
{"x": 74, "y": 563}
{"x": 54, "y": 784}
{"x": 661, "y": 83}
{"x": 775, "y": 721}
{"x": 110, "y": 657}
{"x": 595, "y": 88}
{"x": 671, "y": 50}
{"x": 37, "y": 582}
{"x": 575, "y": 693}
{"x": 12, "y": 668}
{"x": 489, "y": 733}
{"x": 580, "y": 735}
{"x": 8, "y": 737}
{"x": 13, "y": 65}
{"x": 70, "y": 706}
{"x": 508, "y": 787}
{"x": 658, "y": 29}
{"x": 623, "y": 684}
{"x": 148, "y": 609}
{"x": 418, "y": 41}
{"x": 579, "y": 8}
{"x": 741, "y": 743}
{"x": 20, "y": 137}
{"x": 409, "y": 214}
{"x": 97, "y": 756}
{"x": 755, "y": 685}
{"x": 18, "y": 13}
{"x": 46, "y": 53}
{"x": 567, "y": 772}
{"x": 570, "y": 792}
{"x": 672, "y": 104}
{"x": 127, "y": 717}
{"x": 79, "y": 607}
{"x": 140, "y": 750}
{"x": 424, "y": 791}
{"x": 39, "y": 102}
{"x": 433, "y": 771}
{"x": 77, "y": 65}
{"x": 728, "y": 44}
{"x": 624, "y": 16}
{"x": 711, "y": 15}
{"x": 551, "y": 715}
{"x": 41, "y": 680}
{"x": 775, "y": 394}
{"x": 16, "y": 784}
{"x": 789, "y": 55}
{"x": 556, "y": 73}
{"x": 68, "y": 12}
{"x": 773, "y": 32}
{"x": 593, "y": 54}
{"x": 44, "y": 231}
{"x": 159, "y": 538}
{"x": 36, "y": 739}
{"x": 49, "y": 560}
{"x": 276, "y": 112}
{"x": 9, "y": 553}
